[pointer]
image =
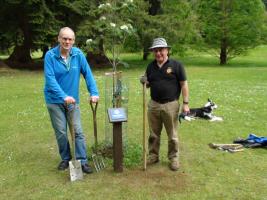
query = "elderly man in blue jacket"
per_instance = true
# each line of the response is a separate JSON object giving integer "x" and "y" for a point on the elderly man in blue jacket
{"x": 63, "y": 65}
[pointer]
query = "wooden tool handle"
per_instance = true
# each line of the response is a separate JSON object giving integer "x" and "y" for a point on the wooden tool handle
{"x": 94, "y": 109}
{"x": 144, "y": 128}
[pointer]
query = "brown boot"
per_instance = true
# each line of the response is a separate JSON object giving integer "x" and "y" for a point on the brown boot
{"x": 152, "y": 160}
{"x": 174, "y": 165}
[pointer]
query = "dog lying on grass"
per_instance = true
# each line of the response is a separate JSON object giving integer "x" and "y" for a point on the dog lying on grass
{"x": 204, "y": 112}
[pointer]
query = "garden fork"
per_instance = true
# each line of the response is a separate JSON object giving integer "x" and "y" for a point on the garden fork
{"x": 96, "y": 156}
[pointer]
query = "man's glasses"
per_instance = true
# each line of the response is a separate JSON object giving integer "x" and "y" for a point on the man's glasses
{"x": 158, "y": 50}
{"x": 67, "y": 39}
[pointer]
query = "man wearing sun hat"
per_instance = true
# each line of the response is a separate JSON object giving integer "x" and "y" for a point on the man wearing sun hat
{"x": 166, "y": 79}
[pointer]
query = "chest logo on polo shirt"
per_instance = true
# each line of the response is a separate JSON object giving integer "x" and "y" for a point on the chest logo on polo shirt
{"x": 169, "y": 70}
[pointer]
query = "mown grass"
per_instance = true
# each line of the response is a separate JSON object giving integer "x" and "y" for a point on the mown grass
{"x": 28, "y": 150}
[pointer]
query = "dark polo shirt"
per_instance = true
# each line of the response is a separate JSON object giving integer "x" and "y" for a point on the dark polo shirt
{"x": 164, "y": 82}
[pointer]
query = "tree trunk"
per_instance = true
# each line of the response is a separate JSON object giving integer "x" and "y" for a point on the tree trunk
{"x": 223, "y": 53}
{"x": 21, "y": 54}
{"x": 145, "y": 54}
{"x": 155, "y": 7}
{"x": 223, "y": 56}
{"x": 45, "y": 49}
{"x": 97, "y": 59}
{"x": 101, "y": 46}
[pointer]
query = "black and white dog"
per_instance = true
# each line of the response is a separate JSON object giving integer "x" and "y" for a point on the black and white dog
{"x": 203, "y": 112}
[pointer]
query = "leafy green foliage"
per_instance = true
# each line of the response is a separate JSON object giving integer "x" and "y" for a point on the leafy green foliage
{"x": 34, "y": 24}
{"x": 231, "y": 27}
{"x": 133, "y": 154}
{"x": 265, "y": 3}
{"x": 224, "y": 27}
{"x": 176, "y": 22}
{"x": 180, "y": 27}
{"x": 26, "y": 23}
{"x": 107, "y": 27}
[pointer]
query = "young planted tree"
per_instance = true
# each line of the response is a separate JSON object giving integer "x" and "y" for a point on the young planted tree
{"x": 108, "y": 25}
{"x": 89, "y": 28}
{"x": 229, "y": 27}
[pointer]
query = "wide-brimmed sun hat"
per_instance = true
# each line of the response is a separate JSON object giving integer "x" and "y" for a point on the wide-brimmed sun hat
{"x": 159, "y": 43}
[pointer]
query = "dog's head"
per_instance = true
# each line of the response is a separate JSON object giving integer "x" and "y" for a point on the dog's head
{"x": 210, "y": 104}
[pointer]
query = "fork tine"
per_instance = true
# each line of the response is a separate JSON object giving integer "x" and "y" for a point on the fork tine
{"x": 98, "y": 162}
{"x": 95, "y": 162}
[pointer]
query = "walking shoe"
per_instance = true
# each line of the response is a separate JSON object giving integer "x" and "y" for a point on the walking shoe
{"x": 64, "y": 164}
{"x": 174, "y": 165}
{"x": 152, "y": 161}
{"x": 87, "y": 169}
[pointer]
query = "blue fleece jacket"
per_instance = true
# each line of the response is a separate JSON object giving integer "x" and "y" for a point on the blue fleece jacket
{"x": 63, "y": 79}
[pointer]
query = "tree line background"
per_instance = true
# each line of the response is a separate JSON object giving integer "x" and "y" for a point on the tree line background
{"x": 225, "y": 28}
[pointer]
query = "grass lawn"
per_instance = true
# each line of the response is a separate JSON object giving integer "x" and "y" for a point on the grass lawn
{"x": 29, "y": 155}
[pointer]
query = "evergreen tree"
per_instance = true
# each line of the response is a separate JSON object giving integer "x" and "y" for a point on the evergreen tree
{"x": 34, "y": 24}
{"x": 25, "y": 27}
{"x": 265, "y": 3}
{"x": 231, "y": 27}
{"x": 174, "y": 20}
{"x": 181, "y": 28}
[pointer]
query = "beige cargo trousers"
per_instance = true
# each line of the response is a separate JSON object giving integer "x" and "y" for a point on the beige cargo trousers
{"x": 158, "y": 115}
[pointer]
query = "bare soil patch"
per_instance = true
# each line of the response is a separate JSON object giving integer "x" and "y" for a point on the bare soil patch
{"x": 157, "y": 180}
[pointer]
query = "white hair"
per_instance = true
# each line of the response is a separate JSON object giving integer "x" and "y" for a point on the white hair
{"x": 65, "y": 28}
